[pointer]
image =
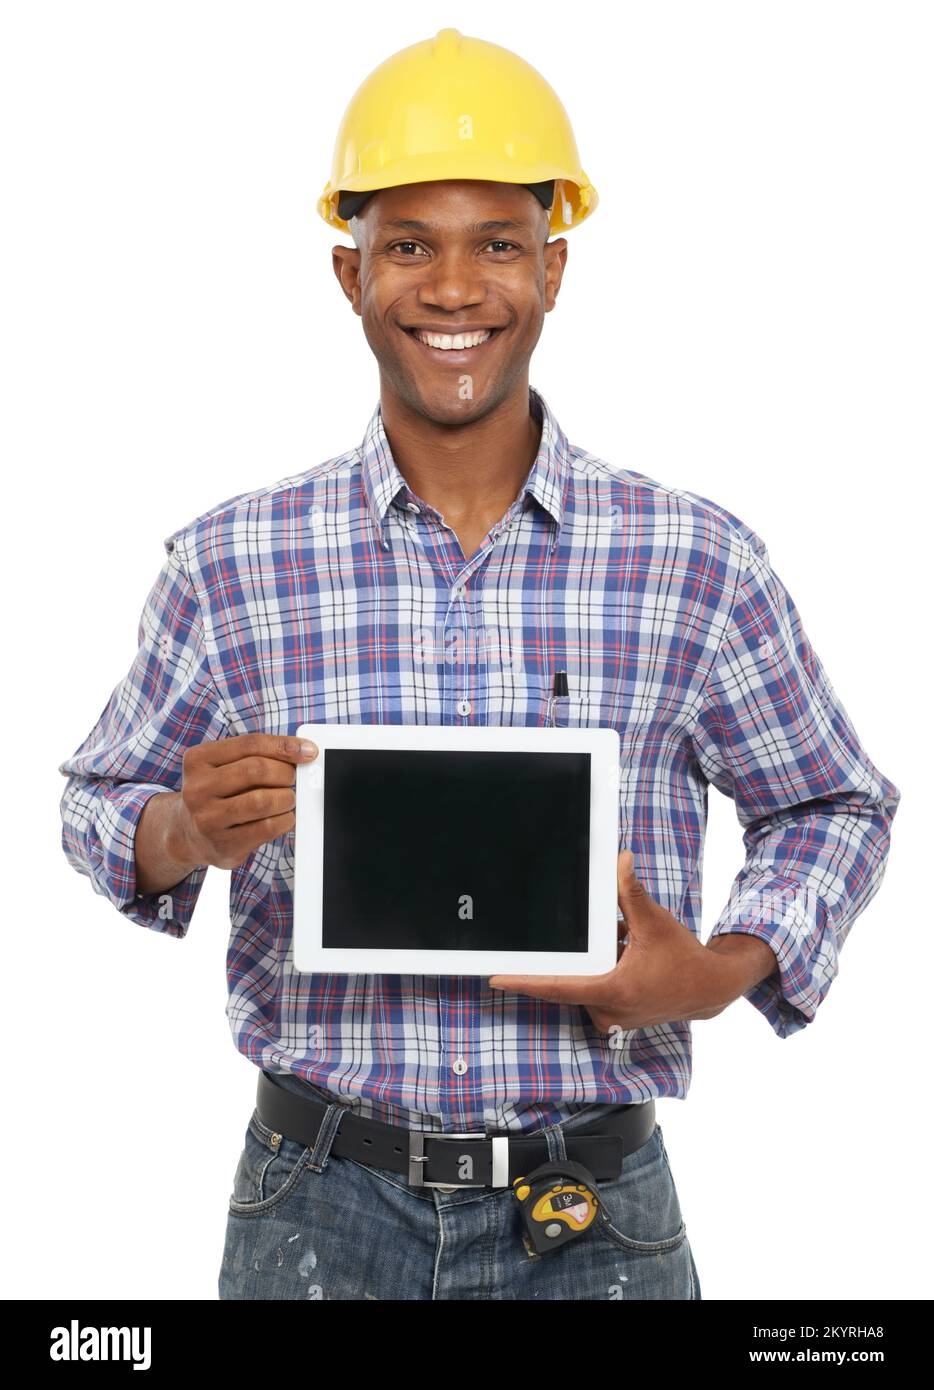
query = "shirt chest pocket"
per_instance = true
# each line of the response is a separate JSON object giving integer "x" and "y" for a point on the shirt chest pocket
{"x": 626, "y": 707}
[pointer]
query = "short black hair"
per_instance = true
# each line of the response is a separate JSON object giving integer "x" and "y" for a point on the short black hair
{"x": 349, "y": 204}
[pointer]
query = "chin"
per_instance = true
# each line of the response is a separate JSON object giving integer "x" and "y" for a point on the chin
{"x": 444, "y": 406}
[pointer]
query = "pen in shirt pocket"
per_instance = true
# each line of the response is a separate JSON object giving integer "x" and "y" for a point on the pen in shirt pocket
{"x": 559, "y": 691}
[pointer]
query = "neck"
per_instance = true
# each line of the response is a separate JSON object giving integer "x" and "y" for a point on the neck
{"x": 468, "y": 472}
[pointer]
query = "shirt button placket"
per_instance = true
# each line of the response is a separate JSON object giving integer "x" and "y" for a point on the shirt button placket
{"x": 461, "y": 1017}
{"x": 462, "y": 669}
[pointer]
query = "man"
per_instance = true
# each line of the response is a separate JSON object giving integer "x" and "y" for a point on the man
{"x": 440, "y": 573}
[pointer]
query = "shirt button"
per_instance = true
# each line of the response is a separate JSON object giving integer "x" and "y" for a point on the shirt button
{"x": 459, "y": 1067}
{"x": 411, "y": 507}
{"x": 459, "y": 591}
{"x": 464, "y": 706}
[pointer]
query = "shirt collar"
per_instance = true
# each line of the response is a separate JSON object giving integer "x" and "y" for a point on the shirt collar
{"x": 547, "y": 480}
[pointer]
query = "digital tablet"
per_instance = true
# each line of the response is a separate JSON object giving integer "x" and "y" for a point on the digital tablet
{"x": 433, "y": 850}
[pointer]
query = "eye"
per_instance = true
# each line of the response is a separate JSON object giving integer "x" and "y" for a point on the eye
{"x": 397, "y": 245}
{"x": 510, "y": 245}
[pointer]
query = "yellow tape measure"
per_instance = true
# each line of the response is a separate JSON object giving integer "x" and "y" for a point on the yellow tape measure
{"x": 558, "y": 1203}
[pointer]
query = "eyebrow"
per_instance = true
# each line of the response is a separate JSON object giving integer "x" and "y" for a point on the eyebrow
{"x": 411, "y": 224}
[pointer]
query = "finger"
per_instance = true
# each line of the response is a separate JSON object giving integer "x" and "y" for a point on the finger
{"x": 237, "y": 845}
{"x": 625, "y": 868}
{"x": 556, "y": 989}
{"x": 250, "y": 772}
{"x": 282, "y": 747}
{"x": 631, "y": 893}
{"x": 258, "y": 804}
{"x": 604, "y": 1020}
{"x": 263, "y": 832}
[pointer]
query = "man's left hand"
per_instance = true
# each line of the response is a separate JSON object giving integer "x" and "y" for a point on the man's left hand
{"x": 663, "y": 972}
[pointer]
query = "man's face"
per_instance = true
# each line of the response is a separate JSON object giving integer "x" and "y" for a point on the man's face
{"x": 448, "y": 257}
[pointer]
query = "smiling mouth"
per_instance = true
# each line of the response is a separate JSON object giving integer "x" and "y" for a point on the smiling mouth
{"x": 453, "y": 344}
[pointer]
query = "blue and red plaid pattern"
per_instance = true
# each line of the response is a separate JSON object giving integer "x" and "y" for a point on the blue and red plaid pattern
{"x": 337, "y": 595}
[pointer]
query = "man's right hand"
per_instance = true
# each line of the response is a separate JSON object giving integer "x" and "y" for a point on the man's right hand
{"x": 237, "y": 794}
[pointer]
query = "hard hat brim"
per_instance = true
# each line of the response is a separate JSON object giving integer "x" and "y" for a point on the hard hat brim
{"x": 580, "y": 194}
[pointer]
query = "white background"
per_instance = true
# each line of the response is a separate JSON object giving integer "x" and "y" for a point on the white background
{"x": 747, "y": 315}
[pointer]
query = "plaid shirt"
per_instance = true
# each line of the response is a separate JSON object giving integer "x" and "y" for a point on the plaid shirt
{"x": 337, "y": 595}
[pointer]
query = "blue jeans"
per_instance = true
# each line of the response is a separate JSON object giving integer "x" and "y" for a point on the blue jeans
{"x": 304, "y": 1223}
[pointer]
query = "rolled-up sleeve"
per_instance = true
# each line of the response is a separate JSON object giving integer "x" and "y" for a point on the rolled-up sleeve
{"x": 165, "y": 703}
{"x": 816, "y": 813}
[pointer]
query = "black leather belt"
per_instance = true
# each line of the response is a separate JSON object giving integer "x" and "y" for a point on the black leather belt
{"x": 435, "y": 1158}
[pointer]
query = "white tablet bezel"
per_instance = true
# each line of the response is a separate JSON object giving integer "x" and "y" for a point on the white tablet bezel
{"x": 310, "y": 955}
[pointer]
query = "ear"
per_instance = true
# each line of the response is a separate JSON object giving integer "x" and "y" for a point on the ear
{"x": 345, "y": 261}
{"x": 555, "y": 255}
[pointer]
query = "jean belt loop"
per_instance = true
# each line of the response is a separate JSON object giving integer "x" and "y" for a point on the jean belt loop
{"x": 554, "y": 1138}
{"x": 325, "y": 1137}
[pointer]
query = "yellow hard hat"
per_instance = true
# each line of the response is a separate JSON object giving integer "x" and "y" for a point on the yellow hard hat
{"x": 454, "y": 107}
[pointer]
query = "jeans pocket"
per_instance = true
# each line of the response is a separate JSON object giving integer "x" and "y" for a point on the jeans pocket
{"x": 639, "y": 1210}
{"x": 270, "y": 1168}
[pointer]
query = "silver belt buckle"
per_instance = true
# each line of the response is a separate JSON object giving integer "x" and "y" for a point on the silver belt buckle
{"x": 417, "y": 1157}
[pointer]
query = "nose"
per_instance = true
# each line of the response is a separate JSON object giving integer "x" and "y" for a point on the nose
{"x": 454, "y": 281}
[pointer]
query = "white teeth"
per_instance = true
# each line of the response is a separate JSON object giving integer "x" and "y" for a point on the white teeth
{"x": 448, "y": 342}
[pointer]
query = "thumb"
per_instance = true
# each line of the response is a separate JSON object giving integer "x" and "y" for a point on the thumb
{"x": 632, "y": 895}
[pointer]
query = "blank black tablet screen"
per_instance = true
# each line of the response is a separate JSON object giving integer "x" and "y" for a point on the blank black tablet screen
{"x": 455, "y": 851}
